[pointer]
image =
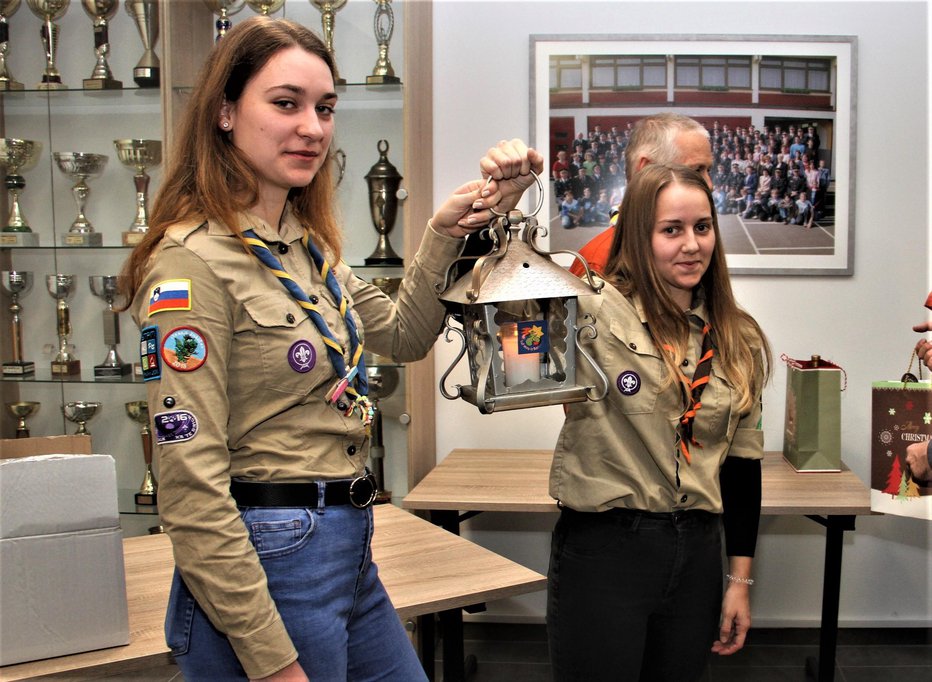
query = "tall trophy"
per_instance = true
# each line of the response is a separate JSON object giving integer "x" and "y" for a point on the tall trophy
{"x": 139, "y": 155}
{"x": 101, "y": 12}
{"x": 328, "y": 10}
{"x": 383, "y": 180}
{"x": 384, "y": 26}
{"x": 15, "y": 156}
{"x": 107, "y": 287}
{"x": 146, "y": 15}
{"x": 7, "y": 9}
{"x": 20, "y": 410}
{"x": 265, "y": 7}
{"x": 383, "y": 380}
{"x": 138, "y": 410}
{"x": 50, "y": 11}
{"x": 80, "y": 412}
{"x": 79, "y": 166}
{"x": 17, "y": 283}
{"x": 61, "y": 287}
{"x": 224, "y": 9}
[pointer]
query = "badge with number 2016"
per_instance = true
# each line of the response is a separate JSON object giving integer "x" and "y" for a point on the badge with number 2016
{"x": 184, "y": 349}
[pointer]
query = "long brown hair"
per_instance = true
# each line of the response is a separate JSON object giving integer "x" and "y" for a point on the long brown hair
{"x": 739, "y": 340}
{"x": 209, "y": 178}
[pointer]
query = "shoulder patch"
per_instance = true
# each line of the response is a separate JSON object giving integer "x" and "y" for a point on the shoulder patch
{"x": 184, "y": 349}
{"x": 149, "y": 353}
{"x": 170, "y": 294}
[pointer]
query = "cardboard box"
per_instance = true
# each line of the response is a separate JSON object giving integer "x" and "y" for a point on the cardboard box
{"x": 47, "y": 445}
{"x": 63, "y": 589}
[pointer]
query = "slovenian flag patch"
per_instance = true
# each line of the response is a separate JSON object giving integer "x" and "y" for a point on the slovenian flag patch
{"x": 171, "y": 294}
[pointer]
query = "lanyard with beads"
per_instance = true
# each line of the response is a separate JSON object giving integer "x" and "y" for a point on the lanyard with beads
{"x": 352, "y": 380}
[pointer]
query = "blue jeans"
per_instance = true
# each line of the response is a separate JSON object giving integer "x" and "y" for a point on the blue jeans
{"x": 327, "y": 590}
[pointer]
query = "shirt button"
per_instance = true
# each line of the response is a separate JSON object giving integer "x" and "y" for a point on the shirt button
{"x": 289, "y": 318}
{"x": 351, "y": 450}
{"x": 633, "y": 346}
{"x": 342, "y": 406}
{"x": 283, "y": 248}
{"x": 683, "y": 499}
{"x": 313, "y": 299}
{"x": 685, "y": 363}
{"x": 168, "y": 401}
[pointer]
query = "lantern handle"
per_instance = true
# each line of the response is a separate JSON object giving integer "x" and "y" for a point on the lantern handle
{"x": 540, "y": 198}
{"x": 446, "y": 337}
{"x": 534, "y": 229}
{"x": 499, "y": 237}
{"x": 593, "y": 333}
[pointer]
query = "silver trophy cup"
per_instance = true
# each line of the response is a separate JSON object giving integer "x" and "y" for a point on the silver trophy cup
{"x": 7, "y": 9}
{"x": 107, "y": 287}
{"x": 17, "y": 283}
{"x": 101, "y": 12}
{"x": 16, "y": 156}
{"x": 139, "y": 155}
{"x": 61, "y": 287}
{"x": 80, "y": 412}
{"x": 79, "y": 167}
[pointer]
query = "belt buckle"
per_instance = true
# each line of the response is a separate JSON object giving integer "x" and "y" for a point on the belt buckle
{"x": 359, "y": 495}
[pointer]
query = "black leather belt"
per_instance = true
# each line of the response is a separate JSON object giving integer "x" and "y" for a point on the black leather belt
{"x": 360, "y": 492}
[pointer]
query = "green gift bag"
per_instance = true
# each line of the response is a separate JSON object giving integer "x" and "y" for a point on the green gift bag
{"x": 812, "y": 431}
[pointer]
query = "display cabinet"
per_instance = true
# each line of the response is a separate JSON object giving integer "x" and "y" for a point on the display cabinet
{"x": 88, "y": 121}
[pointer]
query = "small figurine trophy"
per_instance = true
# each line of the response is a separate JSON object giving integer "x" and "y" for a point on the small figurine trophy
{"x": 7, "y": 9}
{"x": 79, "y": 166}
{"x": 80, "y": 412}
{"x": 145, "y": 13}
{"x": 107, "y": 287}
{"x": 17, "y": 283}
{"x": 383, "y": 180}
{"x": 384, "y": 25}
{"x": 139, "y": 155}
{"x": 265, "y": 7}
{"x": 224, "y": 9}
{"x": 101, "y": 12}
{"x": 15, "y": 156}
{"x": 328, "y": 10}
{"x": 138, "y": 410}
{"x": 50, "y": 11}
{"x": 61, "y": 287}
{"x": 20, "y": 410}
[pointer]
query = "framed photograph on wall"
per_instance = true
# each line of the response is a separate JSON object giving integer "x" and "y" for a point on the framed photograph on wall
{"x": 780, "y": 111}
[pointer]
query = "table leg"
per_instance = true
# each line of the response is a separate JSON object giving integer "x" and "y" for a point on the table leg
{"x": 426, "y": 636}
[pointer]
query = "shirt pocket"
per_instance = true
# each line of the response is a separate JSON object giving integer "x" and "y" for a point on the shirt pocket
{"x": 633, "y": 368}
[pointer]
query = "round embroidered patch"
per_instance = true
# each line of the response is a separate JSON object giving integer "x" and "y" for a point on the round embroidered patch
{"x": 628, "y": 382}
{"x": 184, "y": 349}
{"x": 301, "y": 356}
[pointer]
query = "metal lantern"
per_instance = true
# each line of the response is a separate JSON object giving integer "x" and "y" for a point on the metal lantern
{"x": 515, "y": 312}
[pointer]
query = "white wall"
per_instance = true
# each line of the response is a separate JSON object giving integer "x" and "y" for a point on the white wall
{"x": 481, "y": 85}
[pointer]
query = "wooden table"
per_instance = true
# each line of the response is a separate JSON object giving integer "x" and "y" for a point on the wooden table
{"x": 473, "y": 481}
{"x": 424, "y": 569}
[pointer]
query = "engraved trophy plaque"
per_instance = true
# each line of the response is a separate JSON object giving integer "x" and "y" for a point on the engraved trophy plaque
{"x": 224, "y": 9}
{"x": 328, "y": 11}
{"x": 16, "y": 156}
{"x": 79, "y": 166}
{"x": 7, "y": 9}
{"x": 139, "y": 155}
{"x": 22, "y": 409}
{"x": 101, "y": 12}
{"x": 107, "y": 287}
{"x": 49, "y": 11}
{"x": 61, "y": 287}
{"x": 265, "y": 7}
{"x": 383, "y": 180}
{"x": 17, "y": 283}
{"x": 138, "y": 411}
{"x": 145, "y": 13}
{"x": 80, "y": 412}
{"x": 384, "y": 26}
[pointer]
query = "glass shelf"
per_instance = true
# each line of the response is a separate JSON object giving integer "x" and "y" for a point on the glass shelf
{"x": 60, "y": 247}
{"x": 44, "y": 376}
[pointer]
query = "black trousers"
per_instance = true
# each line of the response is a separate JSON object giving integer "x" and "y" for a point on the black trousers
{"x": 633, "y": 596}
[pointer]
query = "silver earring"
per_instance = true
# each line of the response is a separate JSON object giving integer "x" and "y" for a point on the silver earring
{"x": 225, "y": 124}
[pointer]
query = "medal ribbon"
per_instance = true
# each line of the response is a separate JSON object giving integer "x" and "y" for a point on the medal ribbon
{"x": 353, "y": 379}
{"x": 692, "y": 389}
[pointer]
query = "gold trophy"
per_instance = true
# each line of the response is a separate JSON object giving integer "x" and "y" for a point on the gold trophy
{"x": 20, "y": 410}
{"x": 101, "y": 12}
{"x": 50, "y": 11}
{"x": 328, "y": 10}
{"x": 138, "y": 410}
{"x": 80, "y": 412}
{"x": 79, "y": 166}
{"x": 383, "y": 73}
{"x": 265, "y": 7}
{"x": 107, "y": 287}
{"x": 145, "y": 13}
{"x": 139, "y": 155}
{"x": 7, "y": 9}
{"x": 224, "y": 9}
{"x": 383, "y": 180}
{"x": 15, "y": 156}
{"x": 17, "y": 283}
{"x": 61, "y": 287}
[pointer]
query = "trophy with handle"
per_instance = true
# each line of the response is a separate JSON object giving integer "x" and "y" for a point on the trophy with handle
{"x": 101, "y": 12}
{"x": 79, "y": 166}
{"x": 80, "y": 412}
{"x": 20, "y": 410}
{"x": 265, "y": 7}
{"x": 17, "y": 283}
{"x": 16, "y": 156}
{"x": 107, "y": 287}
{"x": 139, "y": 155}
{"x": 61, "y": 287}
{"x": 138, "y": 411}
{"x": 384, "y": 26}
{"x": 7, "y": 9}
{"x": 328, "y": 14}
{"x": 145, "y": 13}
{"x": 383, "y": 180}
{"x": 50, "y": 11}
{"x": 224, "y": 9}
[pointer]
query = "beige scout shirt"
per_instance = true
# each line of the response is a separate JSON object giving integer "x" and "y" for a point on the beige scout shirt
{"x": 621, "y": 451}
{"x": 257, "y": 417}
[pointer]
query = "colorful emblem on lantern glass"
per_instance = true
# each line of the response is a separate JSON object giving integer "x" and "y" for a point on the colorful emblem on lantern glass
{"x": 533, "y": 337}
{"x": 184, "y": 349}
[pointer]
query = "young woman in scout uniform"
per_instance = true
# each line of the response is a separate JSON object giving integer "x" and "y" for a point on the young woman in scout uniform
{"x": 635, "y": 587}
{"x": 252, "y": 339}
